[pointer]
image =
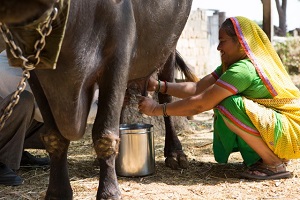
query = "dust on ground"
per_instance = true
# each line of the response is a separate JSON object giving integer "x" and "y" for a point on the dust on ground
{"x": 204, "y": 179}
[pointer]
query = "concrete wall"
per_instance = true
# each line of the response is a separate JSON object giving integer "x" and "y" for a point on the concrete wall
{"x": 198, "y": 42}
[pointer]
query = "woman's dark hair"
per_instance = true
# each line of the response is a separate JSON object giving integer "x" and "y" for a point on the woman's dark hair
{"x": 229, "y": 29}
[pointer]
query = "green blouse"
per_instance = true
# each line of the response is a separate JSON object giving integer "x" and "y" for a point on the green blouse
{"x": 242, "y": 78}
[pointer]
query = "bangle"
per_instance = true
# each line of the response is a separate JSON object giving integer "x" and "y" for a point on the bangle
{"x": 166, "y": 87}
{"x": 165, "y": 110}
{"x": 158, "y": 89}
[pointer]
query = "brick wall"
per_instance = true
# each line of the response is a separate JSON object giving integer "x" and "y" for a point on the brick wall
{"x": 199, "y": 40}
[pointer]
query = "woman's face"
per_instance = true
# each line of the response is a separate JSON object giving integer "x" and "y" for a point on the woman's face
{"x": 231, "y": 51}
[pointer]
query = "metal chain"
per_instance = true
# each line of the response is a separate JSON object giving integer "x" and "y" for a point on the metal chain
{"x": 29, "y": 63}
{"x": 44, "y": 30}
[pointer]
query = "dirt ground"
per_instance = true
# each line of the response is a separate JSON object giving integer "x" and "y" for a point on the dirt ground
{"x": 204, "y": 178}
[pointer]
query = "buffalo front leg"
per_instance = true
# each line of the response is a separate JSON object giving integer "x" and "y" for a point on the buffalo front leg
{"x": 59, "y": 184}
{"x": 105, "y": 132}
{"x": 106, "y": 148}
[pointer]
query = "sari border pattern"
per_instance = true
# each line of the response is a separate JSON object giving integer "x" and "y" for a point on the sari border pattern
{"x": 237, "y": 122}
{"x": 250, "y": 54}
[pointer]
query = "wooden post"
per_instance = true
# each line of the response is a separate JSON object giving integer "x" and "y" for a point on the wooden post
{"x": 2, "y": 44}
{"x": 267, "y": 18}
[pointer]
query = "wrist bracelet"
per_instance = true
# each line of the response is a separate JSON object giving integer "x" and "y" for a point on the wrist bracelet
{"x": 165, "y": 110}
{"x": 166, "y": 87}
{"x": 158, "y": 89}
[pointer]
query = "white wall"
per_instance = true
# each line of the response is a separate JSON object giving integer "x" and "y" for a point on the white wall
{"x": 198, "y": 42}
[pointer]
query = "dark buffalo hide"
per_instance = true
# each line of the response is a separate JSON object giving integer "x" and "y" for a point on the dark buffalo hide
{"x": 107, "y": 44}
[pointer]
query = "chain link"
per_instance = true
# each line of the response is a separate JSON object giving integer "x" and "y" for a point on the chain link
{"x": 29, "y": 63}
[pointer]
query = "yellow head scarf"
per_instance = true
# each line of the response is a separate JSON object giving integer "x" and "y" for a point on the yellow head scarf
{"x": 265, "y": 59}
{"x": 281, "y": 136}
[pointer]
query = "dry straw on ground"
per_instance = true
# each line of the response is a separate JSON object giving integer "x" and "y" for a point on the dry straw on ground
{"x": 204, "y": 179}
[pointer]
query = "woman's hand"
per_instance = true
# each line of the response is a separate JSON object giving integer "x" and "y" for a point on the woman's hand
{"x": 148, "y": 106}
{"x": 152, "y": 84}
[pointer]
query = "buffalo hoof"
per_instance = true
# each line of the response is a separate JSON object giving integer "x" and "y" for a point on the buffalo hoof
{"x": 58, "y": 198}
{"x": 177, "y": 161}
{"x": 116, "y": 197}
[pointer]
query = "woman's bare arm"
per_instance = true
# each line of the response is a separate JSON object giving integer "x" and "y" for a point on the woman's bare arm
{"x": 192, "y": 105}
{"x": 184, "y": 89}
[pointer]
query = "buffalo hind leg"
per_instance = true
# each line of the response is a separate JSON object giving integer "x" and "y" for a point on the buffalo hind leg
{"x": 59, "y": 184}
{"x": 175, "y": 157}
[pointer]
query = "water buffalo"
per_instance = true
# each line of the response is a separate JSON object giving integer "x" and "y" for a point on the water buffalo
{"x": 107, "y": 43}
